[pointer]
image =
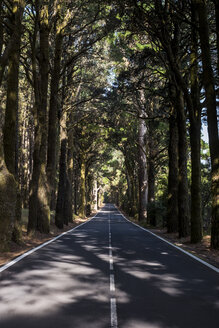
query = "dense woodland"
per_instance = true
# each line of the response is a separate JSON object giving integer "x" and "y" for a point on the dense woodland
{"x": 105, "y": 101}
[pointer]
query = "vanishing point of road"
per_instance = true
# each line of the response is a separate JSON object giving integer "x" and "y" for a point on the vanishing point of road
{"x": 108, "y": 273}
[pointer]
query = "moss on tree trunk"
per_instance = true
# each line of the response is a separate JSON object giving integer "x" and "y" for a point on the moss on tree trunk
{"x": 8, "y": 197}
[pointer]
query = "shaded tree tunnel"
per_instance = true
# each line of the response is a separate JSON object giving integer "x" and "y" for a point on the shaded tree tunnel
{"x": 112, "y": 101}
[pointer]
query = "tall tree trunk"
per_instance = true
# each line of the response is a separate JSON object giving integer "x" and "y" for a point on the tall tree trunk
{"x": 151, "y": 176}
{"x": 1, "y": 27}
{"x": 173, "y": 176}
{"x": 195, "y": 137}
{"x": 15, "y": 26}
{"x": 131, "y": 189}
{"x": 82, "y": 208}
{"x": 8, "y": 197}
{"x": 60, "y": 218}
{"x": 89, "y": 194}
{"x": 53, "y": 117}
{"x": 208, "y": 80}
{"x": 76, "y": 186}
{"x": 129, "y": 205}
{"x": 39, "y": 211}
{"x": 11, "y": 111}
{"x": 69, "y": 173}
{"x": 183, "y": 192}
{"x": 216, "y": 3}
{"x": 142, "y": 161}
{"x": 95, "y": 192}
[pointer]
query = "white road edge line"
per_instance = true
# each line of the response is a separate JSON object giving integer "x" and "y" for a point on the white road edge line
{"x": 180, "y": 249}
{"x": 114, "y": 321}
{"x": 19, "y": 258}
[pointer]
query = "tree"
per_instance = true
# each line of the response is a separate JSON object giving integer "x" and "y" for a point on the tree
{"x": 39, "y": 212}
{"x": 208, "y": 81}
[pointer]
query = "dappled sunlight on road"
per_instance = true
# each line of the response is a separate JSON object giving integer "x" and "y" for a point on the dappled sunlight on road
{"x": 45, "y": 289}
{"x": 57, "y": 282}
{"x": 66, "y": 284}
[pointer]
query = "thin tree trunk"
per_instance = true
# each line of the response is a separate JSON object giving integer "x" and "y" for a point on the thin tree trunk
{"x": 151, "y": 176}
{"x": 95, "y": 192}
{"x": 131, "y": 189}
{"x": 129, "y": 205}
{"x": 82, "y": 208}
{"x": 60, "y": 205}
{"x": 173, "y": 176}
{"x": 70, "y": 169}
{"x": 76, "y": 187}
{"x": 183, "y": 192}
{"x": 143, "y": 179}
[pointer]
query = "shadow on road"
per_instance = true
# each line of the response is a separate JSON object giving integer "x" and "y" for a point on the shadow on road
{"x": 66, "y": 284}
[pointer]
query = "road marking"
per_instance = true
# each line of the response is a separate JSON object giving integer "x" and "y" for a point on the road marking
{"x": 111, "y": 264}
{"x": 180, "y": 249}
{"x": 112, "y": 283}
{"x": 114, "y": 321}
{"x": 113, "y": 308}
{"x": 21, "y": 257}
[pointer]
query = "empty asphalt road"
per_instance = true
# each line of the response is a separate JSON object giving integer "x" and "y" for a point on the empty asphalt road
{"x": 109, "y": 273}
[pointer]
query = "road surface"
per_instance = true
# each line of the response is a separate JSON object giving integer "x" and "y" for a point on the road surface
{"x": 109, "y": 273}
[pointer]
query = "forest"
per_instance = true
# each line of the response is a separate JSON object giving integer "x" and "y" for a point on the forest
{"x": 109, "y": 101}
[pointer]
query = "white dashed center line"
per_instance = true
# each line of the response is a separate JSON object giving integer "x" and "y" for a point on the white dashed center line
{"x": 114, "y": 320}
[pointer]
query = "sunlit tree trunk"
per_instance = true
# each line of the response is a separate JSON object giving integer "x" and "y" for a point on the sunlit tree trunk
{"x": 82, "y": 208}
{"x": 142, "y": 161}
{"x": 95, "y": 192}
